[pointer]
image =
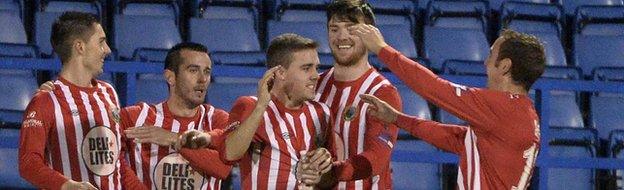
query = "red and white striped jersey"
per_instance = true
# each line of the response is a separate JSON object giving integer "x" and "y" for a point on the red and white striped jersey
{"x": 161, "y": 167}
{"x": 72, "y": 132}
{"x": 497, "y": 150}
{"x": 283, "y": 135}
{"x": 368, "y": 141}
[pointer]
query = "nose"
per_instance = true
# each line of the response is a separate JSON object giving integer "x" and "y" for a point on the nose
{"x": 107, "y": 49}
{"x": 204, "y": 78}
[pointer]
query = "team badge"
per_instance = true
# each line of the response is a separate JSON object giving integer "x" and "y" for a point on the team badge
{"x": 175, "y": 172}
{"x": 100, "y": 150}
{"x": 349, "y": 113}
{"x": 114, "y": 113}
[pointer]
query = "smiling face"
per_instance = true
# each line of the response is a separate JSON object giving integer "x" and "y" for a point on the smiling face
{"x": 96, "y": 49}
{"x": 192, "y": 77}
{"x": 301, "y": 75}
{"x": 347, "y": 49}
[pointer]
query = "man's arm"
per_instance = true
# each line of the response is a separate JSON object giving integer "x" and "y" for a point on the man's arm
{"x": 207, "y": 160}
{"x": 379, "y": 140}
{"x": 238, "y": 140}
{"x": 129, "y": 179}
{"x": 36, "y": 124}
{"x": 443, "y": 136}
{"x": 456, "y": 99}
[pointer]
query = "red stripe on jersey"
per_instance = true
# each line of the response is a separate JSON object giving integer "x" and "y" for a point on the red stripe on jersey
{"x": 349, "y": 114}
{"x": 141, "y": 156}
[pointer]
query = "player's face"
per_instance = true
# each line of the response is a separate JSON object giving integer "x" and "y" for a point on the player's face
{"x": 193, "y": 77}
{"x": 494, "y": 73}
{"x": 346, "y": 48}
{"x": 96, "y": 49}
{"x": 302, "y": 74}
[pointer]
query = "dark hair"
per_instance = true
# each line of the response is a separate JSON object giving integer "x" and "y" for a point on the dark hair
{"x": 173, "y": 59}
{"x": 351, "y": 10}
{"x": 527, "y": 55}
{"x": 283, "y": 46}
{"x": 69, "y": 27}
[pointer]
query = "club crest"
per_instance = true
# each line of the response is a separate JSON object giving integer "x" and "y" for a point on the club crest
{"x": 349, "y": 113}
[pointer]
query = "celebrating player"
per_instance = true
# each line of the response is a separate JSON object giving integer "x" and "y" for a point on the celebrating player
{"x": 499, "y": 146}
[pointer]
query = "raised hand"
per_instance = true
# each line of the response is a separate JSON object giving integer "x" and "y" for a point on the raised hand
{"x": 380, "y": 109}
{"x": 370, "y": 35}
{"x": 265, "y": 84}
{"x": 193, "y": 139}
{"x": 151, "y": 134}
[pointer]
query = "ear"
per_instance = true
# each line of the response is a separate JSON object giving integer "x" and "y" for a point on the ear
{"x": 281, "y": 73}
{"x": 79, "y": 46}
{"x": 170, "y": 77}
{"x": 505, "y": 66}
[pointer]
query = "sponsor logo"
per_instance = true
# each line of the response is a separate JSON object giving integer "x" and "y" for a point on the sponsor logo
{"x": 175, "y": 172}
{"x": 32, "y": 114}
{"x": 286, "y": 136}
{"x": 75, "y": 112}
{"x": 114, "y": 113}
{"x": 100, "y": 150}
{"x": 32, "y": 123}
{"x": 232, "y": 126}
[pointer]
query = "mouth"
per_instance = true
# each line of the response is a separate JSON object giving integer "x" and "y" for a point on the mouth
{"x": 199, "y": 90}
{"x": 344, "y": 46}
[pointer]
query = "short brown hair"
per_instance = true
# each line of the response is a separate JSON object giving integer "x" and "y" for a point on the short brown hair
{"x": 283, "y": 46}
{"x": 68, "y": 27}
{"x": 174, "y": 58}
{"x": 351, "y": 10}
{"x": 527, "y": 56}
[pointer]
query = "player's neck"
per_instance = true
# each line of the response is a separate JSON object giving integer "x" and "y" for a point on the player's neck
{"x": 353, "y": 72}
{"x": 282, "y": 96}
{"x": 74, "y": 72}
{"x": 180, "y": 108}
{"x": 508, "y": 86}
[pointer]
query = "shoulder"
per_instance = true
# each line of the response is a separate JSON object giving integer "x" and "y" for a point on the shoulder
{"x": 41, "y": 99}
{"x": 216, "y": 112}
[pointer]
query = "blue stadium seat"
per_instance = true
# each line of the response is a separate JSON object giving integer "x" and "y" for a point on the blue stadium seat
{"x": 384, "y": 19}
{"x": 302, "y": 16}
{"x": 496, "y": 4}
{"x": 413, "y": 105}
{"x": 14, "y": 31}
{"x": 609, "y": 74}
{"x": 394, "y": 6}
{"x": 223, "y": 92}
{"x": 18, "y": 87}
{"x": 162, "y": 8}
{"x": 150, "y": 55}
{"x": 236, "y": 42}
{"x": 463, "y": 67}
{"x": 539, "y": 19}
{"x": 93, "y": 7}
{"x": 12, "y": 5}
{"x": 598, "y": 38}
{"x": 400, "y": 37}
{"x": 457, "y": 14}
{"x": 606, "y": 112}
{"x": 571, "y": 143}
{"x": 151, "y": 88}
{"x": 9, "y": 159}
{"x": 221, "y": 12}
{"x": 616, "y": 142}
{"x": 281, "y": 5}
{"x": 50, "y": 12}
{"x": 313, "y": 30}
{"x": 448, "y": 118}
{"x": 126, "y": 27}
{"x": 564, "y": 110}
{"x": 413, "y": 175}
{"x": 570, "y": 6}
{"x": 18, "y": 50}
{"x": 468, "y": 44}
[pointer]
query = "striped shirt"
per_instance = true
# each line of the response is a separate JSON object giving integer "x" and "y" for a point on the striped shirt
{"x": 284, "y": 135}
{"x": 369, "y": 142}
{"x": 160, "y": 167}
{"x": 499, "y": 147}
{"x": 72, "y": 132}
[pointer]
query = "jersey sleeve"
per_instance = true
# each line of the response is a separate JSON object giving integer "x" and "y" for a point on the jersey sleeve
{"x": 379, "y": 140}
{"x": 466, "y": 103}
{"x": 129, "y": 179}
{"x": 36, "y": 125}
{"x": 243, "y": 107}
{"x": 444, "y": 136}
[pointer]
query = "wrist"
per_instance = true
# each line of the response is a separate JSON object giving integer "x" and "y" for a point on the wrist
{"x": 379, "y": 47}
{"x": 173, "y": 138}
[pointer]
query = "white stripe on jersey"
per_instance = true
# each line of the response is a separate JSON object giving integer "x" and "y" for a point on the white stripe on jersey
{"x": 317, "y": 125}
{"x": 304, "y": 127}
{"x": 60, "y": 131}
{"x": 137, "y": 151}
{"x": 477, "y": 161}
{"x": 341, "y": 105}
{"x": 210, "y": 112}
{"x": 154, "y": 147}
{"x": 275, "y": 157}
{"x": 323, "y": 84}
{"x": 460, "y": 179}
{"x": 291, "y": 150}
{"x": 291, "y": 122}
{"x": 332, "y": 93}
{"x": 78, "y": 132}
{"x": 106, "y": 122}
{"x": 116, "y": 128}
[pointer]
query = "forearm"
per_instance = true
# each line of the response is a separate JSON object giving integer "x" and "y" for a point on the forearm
{"x": 239, "y": 140}
{"x": 207, "y": 161}
{"x": 33, "y": 169}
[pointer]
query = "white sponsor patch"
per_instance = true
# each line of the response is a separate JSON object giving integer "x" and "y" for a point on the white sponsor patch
{"x": 175, "y": 172}
{"x": 100, "y": 150}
